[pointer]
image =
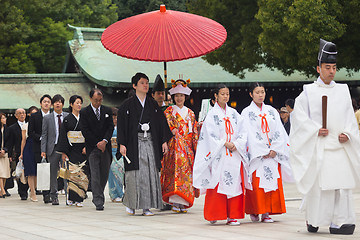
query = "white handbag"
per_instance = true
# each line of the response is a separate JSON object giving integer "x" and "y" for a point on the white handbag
{"x": 43, "y": 175}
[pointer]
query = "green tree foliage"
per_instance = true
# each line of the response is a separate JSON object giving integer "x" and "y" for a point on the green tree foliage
{"x": 241, "y": 50}
{"x": 128, "y": 8}
{"x": 282, "y": 34}
{"x": 13, "y": 50}
{"x": 292, "y": 29}
{"x": 34, "y": 32}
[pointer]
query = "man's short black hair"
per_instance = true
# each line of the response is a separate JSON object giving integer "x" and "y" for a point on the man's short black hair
{"x": 290, "y": 102}
{"x": 95, "y": 90}
{"x": 135, "y": 79}
{"x": 45, "y": 96}
{"x": 56, "y": 98}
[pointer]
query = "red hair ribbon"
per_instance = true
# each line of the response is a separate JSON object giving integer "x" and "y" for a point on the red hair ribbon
{"x": 265, "y": 126}
{"x": 229, "y": 131}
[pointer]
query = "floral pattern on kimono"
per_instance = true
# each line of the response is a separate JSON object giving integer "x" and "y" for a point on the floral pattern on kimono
{"x": 177, "y": 171}
{"x": 266, "y": 133}
{"x": 214, "y": 164}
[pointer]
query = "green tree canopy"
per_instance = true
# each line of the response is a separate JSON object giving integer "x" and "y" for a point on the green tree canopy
{"x": 241, "y": 50}
{"x": 128, "y": 8}
{"x": 34, "y": 32}
{"x": 282, "y": 34}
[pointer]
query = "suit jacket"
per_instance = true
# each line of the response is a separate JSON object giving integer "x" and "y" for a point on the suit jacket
{"x": 95, "y": 130}
{"x": 48, "y": 135}
{"x": 35, "y": 129}
{"x": 13, "y": 141}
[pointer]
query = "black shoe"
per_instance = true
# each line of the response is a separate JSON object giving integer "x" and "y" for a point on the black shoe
{"x": 7, "y": 193}
{"x": 47, "y": 199}
{"x": 166, "y": 207}
{"x": 345, "y": 229}
{"x": 38, "y": 192}
{"x": 99, "y": 208}
{"x": 311, "y": 228}
{"x": 55, "y": 201}
{"x": 23, "y": 198}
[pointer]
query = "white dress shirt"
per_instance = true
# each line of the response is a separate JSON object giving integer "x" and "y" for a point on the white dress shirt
{"x": 57, "y": 125}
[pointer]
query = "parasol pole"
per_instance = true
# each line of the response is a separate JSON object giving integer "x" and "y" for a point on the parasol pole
{"x": 165, "y": 78}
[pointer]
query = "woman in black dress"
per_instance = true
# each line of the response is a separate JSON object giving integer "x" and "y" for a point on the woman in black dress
{"x": 72, "y": 147}
{"x": 27, "y": 155}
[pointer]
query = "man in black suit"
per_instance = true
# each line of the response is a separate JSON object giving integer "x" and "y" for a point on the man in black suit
{"x": 35, "y": 131}
{"x": 14, "y": 147}
{"x": 97, "y": 127}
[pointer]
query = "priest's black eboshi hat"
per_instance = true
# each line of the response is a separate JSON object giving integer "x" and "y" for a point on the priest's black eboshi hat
{"x": 158, "y": 84}
{"x": 327, "y": 52}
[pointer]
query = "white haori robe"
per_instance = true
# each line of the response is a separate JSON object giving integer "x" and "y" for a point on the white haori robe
{"x": 335, "y": 164}
{"x": 214, "y": 164}
{"x": 265, "y": 133}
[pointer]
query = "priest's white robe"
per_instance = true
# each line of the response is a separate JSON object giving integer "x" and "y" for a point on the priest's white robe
{"x": 324, "y": 169}
{"x": 214, "y": 164}
{"x": 265, "y": 133}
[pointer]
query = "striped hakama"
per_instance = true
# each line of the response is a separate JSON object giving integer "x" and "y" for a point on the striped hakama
{"x": 142, "y": 187}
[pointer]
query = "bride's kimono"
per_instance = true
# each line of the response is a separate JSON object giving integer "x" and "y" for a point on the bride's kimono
{"x": 265, "y": 133}
{"x": 217, "y": 169}
{"x": 176, "y": 173}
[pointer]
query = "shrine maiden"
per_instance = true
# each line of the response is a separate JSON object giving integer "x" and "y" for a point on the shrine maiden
{"x": 221, "y": 161}
{"x": 268, "y": 155}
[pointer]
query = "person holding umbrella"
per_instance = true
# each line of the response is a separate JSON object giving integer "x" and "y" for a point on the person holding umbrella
{"x": 142, "y": 136}
{"x": 158, "y": 92}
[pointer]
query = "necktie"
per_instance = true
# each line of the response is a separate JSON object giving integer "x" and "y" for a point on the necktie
{"x": 59, "y": 121}
{"x": 97, "y": 114}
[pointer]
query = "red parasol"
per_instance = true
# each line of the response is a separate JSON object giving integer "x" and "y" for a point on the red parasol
{"x": 163, "y": 36}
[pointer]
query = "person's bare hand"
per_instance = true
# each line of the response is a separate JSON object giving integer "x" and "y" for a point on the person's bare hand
{"x": 271, "y": 154}
{"x": 2, "y": 153}
{"x": 343, "y": 138}
{"x": 165, "y": 148}
{"x": 122, "y": 150}
{"x": 174, "y": 131}
{"x": 101, "y": 145}
{"x": 230, "y": 146}
{"x": 323, "y": 132}
{"x": 64, "y": 157}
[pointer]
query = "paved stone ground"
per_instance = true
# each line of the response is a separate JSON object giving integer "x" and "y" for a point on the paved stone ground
{"x": 29, "y": 220}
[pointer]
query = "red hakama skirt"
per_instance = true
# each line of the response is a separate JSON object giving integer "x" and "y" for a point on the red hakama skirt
{"x": 259, "y": 202}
